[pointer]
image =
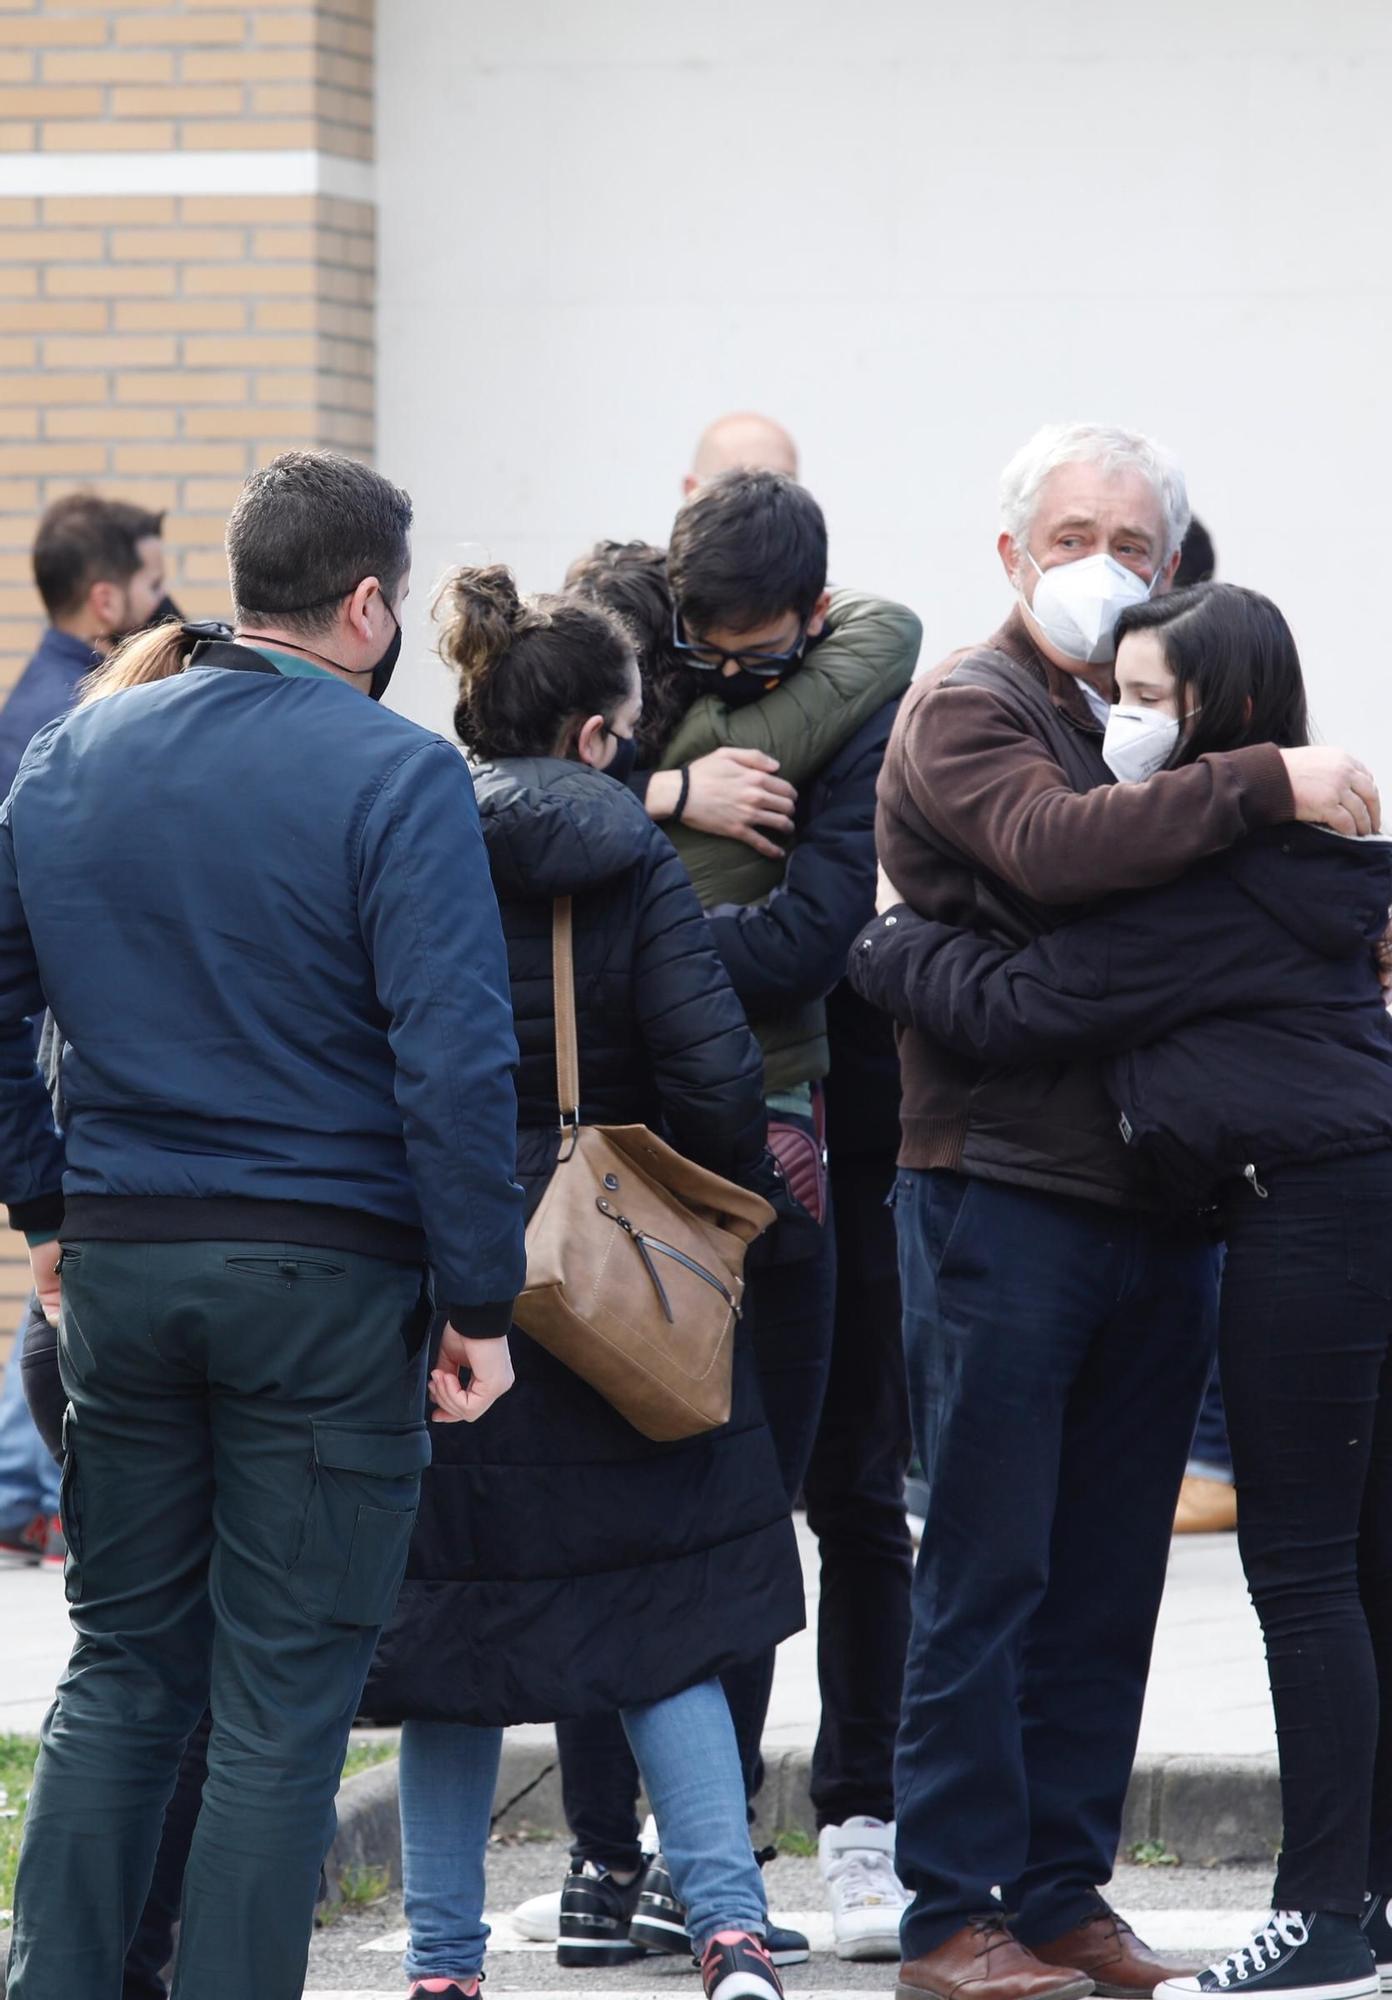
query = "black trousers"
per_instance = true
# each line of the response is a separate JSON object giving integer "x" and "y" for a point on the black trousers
{"x": 153, "y": 1944}
{"x": 1305, "y": 1342}
{"x": 791, "y": 1316}
{"x": 855, "y": 1508}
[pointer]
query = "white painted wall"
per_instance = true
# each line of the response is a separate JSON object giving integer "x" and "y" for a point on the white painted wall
{"x": 913, "y": 231}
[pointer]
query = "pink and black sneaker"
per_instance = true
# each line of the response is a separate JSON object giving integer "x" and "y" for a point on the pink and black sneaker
{"x": 444, "y": 1989}
{"x": 736, "y": 1966}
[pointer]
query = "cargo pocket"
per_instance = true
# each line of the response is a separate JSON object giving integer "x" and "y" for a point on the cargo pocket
{"x": 70, "y": 1511}
{"x": 357, "y": 1525}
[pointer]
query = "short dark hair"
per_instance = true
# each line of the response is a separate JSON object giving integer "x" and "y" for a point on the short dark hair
{"x": 306, "y": 530}
{"x": 529, "y": 668}
{"x": 746, "y": 549}
{"x": 84, "y": 539}
{"x": 1235, "y": 663}
{"x": 1197, "y": 558}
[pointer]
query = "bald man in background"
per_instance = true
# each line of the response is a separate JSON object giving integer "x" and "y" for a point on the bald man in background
{"x": 743, "y": 441}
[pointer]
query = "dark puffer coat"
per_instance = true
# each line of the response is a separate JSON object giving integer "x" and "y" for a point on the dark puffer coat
{"x": 563, "y": 1564}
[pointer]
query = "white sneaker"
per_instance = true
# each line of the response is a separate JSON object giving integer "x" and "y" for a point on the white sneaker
{"x": 539, "y": 1919}
{"x": 866, "y": 1896}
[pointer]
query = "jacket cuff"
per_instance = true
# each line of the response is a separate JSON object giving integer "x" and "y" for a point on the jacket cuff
{"x": 41, "y": 1217}
{"x": 1267, "y": 796}
{"x": 476, "y": 1322}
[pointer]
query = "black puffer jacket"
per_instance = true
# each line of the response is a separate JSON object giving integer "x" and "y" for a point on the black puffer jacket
{"x": 562, "y": 1564}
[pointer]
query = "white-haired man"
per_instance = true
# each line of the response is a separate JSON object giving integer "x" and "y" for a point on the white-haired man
{"x": 1058, "y": 1332}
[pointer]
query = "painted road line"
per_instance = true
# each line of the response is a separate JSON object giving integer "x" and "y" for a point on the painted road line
{"x": 1187, "y": 1930}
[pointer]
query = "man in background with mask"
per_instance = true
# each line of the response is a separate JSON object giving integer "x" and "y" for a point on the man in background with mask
{"x": 99, "y": 568}
{"x": 1058, "y": 1334}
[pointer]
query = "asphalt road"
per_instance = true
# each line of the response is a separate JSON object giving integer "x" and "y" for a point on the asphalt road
{"x": 342, "y": 1959}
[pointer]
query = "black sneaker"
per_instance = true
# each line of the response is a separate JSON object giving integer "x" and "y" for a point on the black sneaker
{"x": 737, "y": 1967}
{"x": 596, "y": 1912}
{"x": 1377, "y": 1929}
{"x": 659, "y": 1923}
{"x": 1310, "y": 1953}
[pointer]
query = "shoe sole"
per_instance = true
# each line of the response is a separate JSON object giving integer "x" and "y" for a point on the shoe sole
{"x": 1385, "y": 1978}
{"x": 575, "y": 1954}
{"x": 782, "y": 1959}
{"x": 883, "y": 1948}
{"x": 1347, "y": 1989}
{"x": 658, "y": 1935}
{"x": 1069, "y": 1989}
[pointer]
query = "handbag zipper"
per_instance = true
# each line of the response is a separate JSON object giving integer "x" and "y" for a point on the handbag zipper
{"x": 645, "y": 1245}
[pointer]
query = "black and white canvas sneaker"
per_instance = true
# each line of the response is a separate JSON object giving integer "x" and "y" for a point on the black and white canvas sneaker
{"x": 596, "y": 1912}
{"x": 1299, "y": 1954}
{"x": 1376, "y": 1927}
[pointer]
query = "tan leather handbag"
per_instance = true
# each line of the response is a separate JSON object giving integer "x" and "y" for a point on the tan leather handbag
{"x": 635, "y": 1257}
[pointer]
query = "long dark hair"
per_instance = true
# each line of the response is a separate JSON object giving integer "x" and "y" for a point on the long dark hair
{"x": 1235, "y": 665}
{"x": 630, "y": 579}
{"x": 531, "y": 669}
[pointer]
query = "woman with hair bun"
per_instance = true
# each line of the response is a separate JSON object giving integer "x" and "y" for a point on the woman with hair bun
{"x": 563, "y": 1564}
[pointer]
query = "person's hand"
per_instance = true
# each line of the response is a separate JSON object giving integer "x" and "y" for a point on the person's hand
{"x": 43, "y": 1262}
{"x": 887, "y": 897}
{"x": 489, "y": 1364}
{"x": 735, "y": 793}
{"x": 1333, "y": 789}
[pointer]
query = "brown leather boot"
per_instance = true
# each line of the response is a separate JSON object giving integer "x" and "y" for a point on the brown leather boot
{"x": 1107, "y": 1948}
{"x": 984, "y": 1962}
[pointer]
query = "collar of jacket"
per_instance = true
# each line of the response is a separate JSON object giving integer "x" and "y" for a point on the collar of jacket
{"x": 229, "y": 653}
{"x": 1013, "y": 639}
{"x": 65, "y": 648}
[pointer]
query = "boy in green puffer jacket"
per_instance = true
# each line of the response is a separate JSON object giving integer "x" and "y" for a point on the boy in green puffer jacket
{"x": 760, "y": 685}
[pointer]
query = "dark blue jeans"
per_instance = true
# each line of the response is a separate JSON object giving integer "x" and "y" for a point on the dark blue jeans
{"x": 1057, "y": 1351}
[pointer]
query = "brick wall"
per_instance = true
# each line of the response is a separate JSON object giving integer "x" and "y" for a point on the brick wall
{"x": 160, "y": 345}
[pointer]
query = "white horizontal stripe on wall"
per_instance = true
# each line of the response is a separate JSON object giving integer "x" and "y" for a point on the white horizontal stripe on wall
{"x": 246, "y": 173}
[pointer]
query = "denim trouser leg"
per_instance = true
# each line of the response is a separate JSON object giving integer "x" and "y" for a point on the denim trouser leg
{"x": 686, "y": 1751}
{"x": 1056, "y": 1354}
{"x": 449, "y": 1772}
{"x": 28, "y": 1476}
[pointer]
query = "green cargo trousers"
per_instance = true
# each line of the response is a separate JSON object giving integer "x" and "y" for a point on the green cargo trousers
{"x": 245, "y": 1438}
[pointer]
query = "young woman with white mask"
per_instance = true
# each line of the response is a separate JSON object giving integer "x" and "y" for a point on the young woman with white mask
{"x": 1244, "y": 1041}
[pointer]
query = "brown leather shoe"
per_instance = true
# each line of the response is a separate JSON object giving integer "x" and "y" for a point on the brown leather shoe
{"x": 1107, "y": 1948}
{"x": 984, "y": 1962}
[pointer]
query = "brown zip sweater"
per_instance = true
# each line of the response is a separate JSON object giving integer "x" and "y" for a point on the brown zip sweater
{"x": 997, "y": 814}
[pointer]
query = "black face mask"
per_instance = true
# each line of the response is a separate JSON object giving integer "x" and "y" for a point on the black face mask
{"x": 620, "y": 765}
{"x": 166, "y": 612}
{"x": 386, "y": 666}
{"x": 739, "y": 689}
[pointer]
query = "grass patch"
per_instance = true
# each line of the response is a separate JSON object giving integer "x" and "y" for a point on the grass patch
{"x": 17, "y": 1754}
{"x": 801, "y": 1846}
{"x": 1153, "y": 1854}
{"x": 362, "y": 1756}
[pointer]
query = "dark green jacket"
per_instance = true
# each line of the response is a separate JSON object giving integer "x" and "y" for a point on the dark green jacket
{"x": 865, "y": 658}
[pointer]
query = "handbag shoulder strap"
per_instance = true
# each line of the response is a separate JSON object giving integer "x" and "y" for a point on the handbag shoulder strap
{"x": 567, "y": 1037}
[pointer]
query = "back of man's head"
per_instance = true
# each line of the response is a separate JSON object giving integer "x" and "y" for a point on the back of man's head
{"x": 629, "y": 578}
{"x": 307, "y": 529}
{"x": 745, "y": 550}
{"x": 1198, "y": 559}
{"x": 742, "y": 441}
{"x": 84, "y": 540}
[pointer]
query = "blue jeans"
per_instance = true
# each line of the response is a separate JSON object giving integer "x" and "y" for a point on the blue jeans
{"x": 28, "y": 1476}
{"x": 685, "y": 1748}
{"x": 1056, "y": 1351}
{"x": 1210, "y": 1455}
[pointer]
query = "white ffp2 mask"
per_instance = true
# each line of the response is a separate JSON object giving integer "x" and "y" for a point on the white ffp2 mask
{"x": 1077, "y": 604}
{"x": 1138, "y": 743}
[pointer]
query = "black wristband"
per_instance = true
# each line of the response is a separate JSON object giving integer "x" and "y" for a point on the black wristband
{"x": 680, "y": 807}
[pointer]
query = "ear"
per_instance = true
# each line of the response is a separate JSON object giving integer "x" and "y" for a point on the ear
{"x": 818, "y": 619}
{"x": 1008, "y": 551}
{"x": 592, "y": 742}
{"x": 691, "y": 484}
{"x": 356, "y": 608}
{"x": 106, "y": 604}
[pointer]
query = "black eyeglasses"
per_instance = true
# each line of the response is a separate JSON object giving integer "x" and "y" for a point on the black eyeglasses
{"x": 714, "y": 659}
